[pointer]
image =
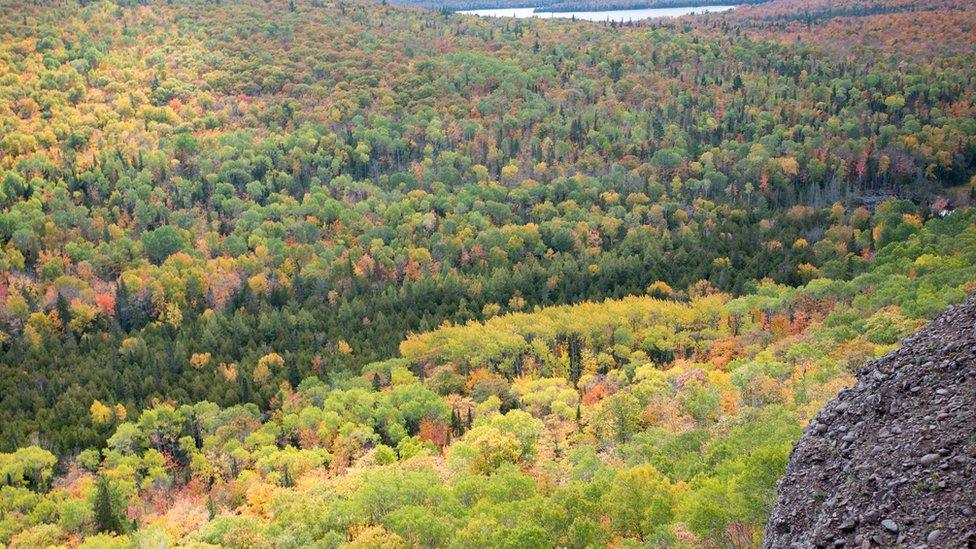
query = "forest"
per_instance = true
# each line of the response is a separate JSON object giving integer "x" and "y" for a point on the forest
{"x": 306, "y": 273}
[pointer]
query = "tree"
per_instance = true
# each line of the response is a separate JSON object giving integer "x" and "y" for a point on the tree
{"x": 457, "y": 427}
{"x": 132, "y": 310}
{"x": 525, "y": 428}
{"x": 100, "y": 413}
{"x": 30, "y": 466}
{"x": 107, "y": 519}
{"x": 162, "y": 243}
{"x": 639, "y": 501}
{"x": 294, "y": 377}
{"x": 700, "y": 402}
{"x": 64, "y": 312}
{"x": 212, "y": 509}
{"x": 617, "y": 417}
{"x": 485, "y": 448}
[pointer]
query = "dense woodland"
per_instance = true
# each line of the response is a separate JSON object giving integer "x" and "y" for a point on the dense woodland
{"x": 310, "y": 273}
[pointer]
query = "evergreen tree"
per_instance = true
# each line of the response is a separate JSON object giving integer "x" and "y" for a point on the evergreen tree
{"x": 131, "y": 310}
{"x": 294, "y": 377}
{"x": 64, "y": 313}
{"x": 245, "y": 390}
{"x": 575, "y": 358}
{"x": 106, "y": 519}
{"x": 211, "y": 507}
{"x": 456, "y": 426}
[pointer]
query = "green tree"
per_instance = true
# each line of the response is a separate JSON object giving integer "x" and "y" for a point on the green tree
{"x": 107, "y": 519}
{"x": 162, "y": 242}
{"x": 617, "y": 417}
{"x": 639, "y": 501}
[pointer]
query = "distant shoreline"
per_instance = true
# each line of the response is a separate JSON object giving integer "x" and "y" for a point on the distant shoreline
{"x": 617, "y": 15}
{"x": 568, "y": 6}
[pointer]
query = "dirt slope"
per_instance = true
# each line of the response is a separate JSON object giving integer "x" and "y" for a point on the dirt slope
{"x": 891, "y": 462}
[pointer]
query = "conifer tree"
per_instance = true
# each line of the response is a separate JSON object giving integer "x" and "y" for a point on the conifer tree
{"x": 211, "y": 507}
{"x": 64, "y": 313}
{"x": 106, "y": 519}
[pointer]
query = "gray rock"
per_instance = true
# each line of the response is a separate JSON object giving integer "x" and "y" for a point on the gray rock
{"x": 890, "y": 458}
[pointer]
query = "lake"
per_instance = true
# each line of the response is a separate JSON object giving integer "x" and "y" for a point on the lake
{"x": 608, "y": 15}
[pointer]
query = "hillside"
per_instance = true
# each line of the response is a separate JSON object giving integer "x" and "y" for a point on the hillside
{"x": 291, "y": 273}
{"x": 892, "y": 460}
{"x": 242, "y": 178}
{"x": 633, "y": 421}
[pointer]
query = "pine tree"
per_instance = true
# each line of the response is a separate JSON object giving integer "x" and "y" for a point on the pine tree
{"x": 106, "y": 520}
{"x": 64, "y": 313}
{"x": 293, "y": 375}
{"x": 211, "y": 507}
{"x": 575, "y": 358}
{"x": 456, "y": 426}
{"x": 245, "y": 390}
{"x": 130, "y": 309}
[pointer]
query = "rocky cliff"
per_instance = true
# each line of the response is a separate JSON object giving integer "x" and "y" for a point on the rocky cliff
{"x": 891, "y": 462}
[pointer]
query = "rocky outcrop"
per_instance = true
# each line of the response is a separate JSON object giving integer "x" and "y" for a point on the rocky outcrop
{"x": 891, "y": 462}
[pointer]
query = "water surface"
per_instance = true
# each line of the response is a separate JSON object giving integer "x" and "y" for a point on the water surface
{"x": 608, "y": 15}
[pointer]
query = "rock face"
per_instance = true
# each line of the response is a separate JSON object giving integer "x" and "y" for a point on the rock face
{"x": 891, "y": 462}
